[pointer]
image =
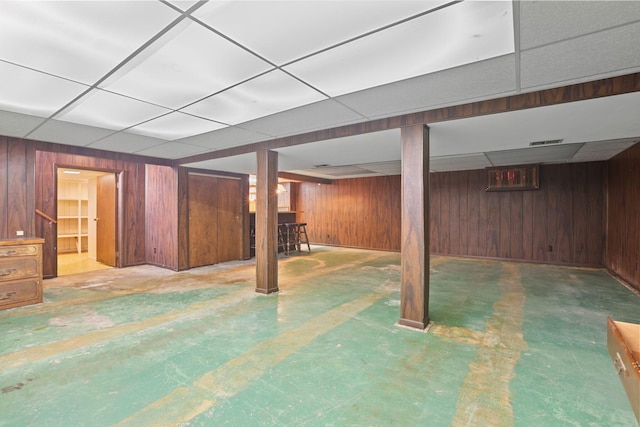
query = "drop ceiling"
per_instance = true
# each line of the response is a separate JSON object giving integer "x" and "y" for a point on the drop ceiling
{"x": 172, "y": 79}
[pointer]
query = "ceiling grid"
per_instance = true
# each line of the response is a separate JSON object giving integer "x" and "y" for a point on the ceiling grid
{"x": 193, "y": 77}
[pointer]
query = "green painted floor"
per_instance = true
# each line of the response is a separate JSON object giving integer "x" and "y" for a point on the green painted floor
{"x": 512, "y": 345}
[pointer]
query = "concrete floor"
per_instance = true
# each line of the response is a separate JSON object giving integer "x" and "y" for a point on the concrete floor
{"x": 512, "y": 345}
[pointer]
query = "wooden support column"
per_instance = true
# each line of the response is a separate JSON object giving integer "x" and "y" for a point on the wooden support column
{"x": 267, "y": 222}
{"x": 414, "y": 287}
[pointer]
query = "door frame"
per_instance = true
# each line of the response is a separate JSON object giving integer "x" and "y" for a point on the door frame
{"x": 119, "y": 174}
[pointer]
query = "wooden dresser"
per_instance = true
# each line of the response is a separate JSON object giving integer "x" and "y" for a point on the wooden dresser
{"x": 623, "y": 343}
{"x": 20, "y": 272}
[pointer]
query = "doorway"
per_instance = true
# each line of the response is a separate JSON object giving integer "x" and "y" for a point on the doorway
{"x": 87, "y": 220}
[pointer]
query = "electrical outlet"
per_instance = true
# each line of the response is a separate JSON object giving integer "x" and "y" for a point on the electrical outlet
{"x": 20, "y": 233}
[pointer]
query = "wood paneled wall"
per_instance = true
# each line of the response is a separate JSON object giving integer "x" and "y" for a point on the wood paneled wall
{"x": 27, "y": 183}
{"x": 17, "y": 185}
{"x": 566, "y": 215}
{"x": 562, "y": 223}
{"x": 361, "y": 213}
{"x": 132, "y": 243}
{"x": 162, "y": 216}
{"x": 623, "y": 216}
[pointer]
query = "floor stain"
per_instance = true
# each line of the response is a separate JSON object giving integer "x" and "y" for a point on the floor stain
{"x": 17, "y": 386}
{"x": 185, "y": 403}
{"x": 485, "y": 396}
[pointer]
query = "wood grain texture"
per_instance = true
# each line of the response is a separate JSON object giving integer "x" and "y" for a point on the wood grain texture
{"x": 518, "y": 225}
{"x": 267, "y": 222}
{"x": 4, "y": 189}
{"x": 107, "y": 225}
{"x": 183, "y": 218}
{"x": 564, "y": 214}
{"x": 161, "y": 229}
{"x": 229, "y": 220}
{"x": 203, "y": 220}
{"x": 358, "y": 212}
{"x": 244, "y": 188}
{"x": 414, "y": 280}
{"x": 622, "y": 247}
{"x": 20, "y": 208}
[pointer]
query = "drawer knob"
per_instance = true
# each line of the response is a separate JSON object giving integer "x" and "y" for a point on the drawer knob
{"x": 7, "y": 295}
{"x": 619, "y": 365}
{"x": 7, "y": 271}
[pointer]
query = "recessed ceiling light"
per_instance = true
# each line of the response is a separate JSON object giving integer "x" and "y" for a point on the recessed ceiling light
{"x": 71, "y": 172}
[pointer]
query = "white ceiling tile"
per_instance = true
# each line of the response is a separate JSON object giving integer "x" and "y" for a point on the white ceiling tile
{"x": 573, "y": 60}
{"x": 244, "y": 163}
{"x": 282, "y": 31}
{"x": 124, "y": 142}
{"x": 560, "y": 153}
{"x": 471, "y": 82}
{"x": 110, "y": 111}
{"x": 615, "y": 144}
{"x": 68, "y": 133}
{"x": 79, "y": 40}
{"x": 171, "y": 150}
{"x": 175, "y": 126}
{"x": 270, "y": 93}
{"x": 308, "y": 118}
{"x": 30, "y": 92}
{"x": 603, "y": 150}
{"x": 393, "y": 167}
{"x": 185, "y": 65}
{"x": 545, "y": 22}
{"x": 224, "y": 138}
{"x": 312, "y": 173}
{"x": 349, "y": 171}
{"x": 457, "y": 35}
{"x": 612, "y": 117}
{"x": 462, "y": 162}
{"x": 366, "y": 148}
{"x": 16, "y": 124}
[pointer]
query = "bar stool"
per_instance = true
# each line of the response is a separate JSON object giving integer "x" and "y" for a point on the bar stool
{"x": 297, "y": 235}
{"x": 301, "y": 229}
{"x": 283, "y": 238}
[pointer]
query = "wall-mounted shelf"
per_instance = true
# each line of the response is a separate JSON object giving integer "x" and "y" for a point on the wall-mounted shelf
{"x": 73, "y": 216}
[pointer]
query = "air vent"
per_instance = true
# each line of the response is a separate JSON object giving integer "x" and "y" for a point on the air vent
{"x": 548, "y": 142}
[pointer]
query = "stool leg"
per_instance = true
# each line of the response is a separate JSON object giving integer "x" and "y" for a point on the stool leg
{"x": 298, "y": 246}
{"x": 281, "y": 241}
{"x": 306, "y": 238}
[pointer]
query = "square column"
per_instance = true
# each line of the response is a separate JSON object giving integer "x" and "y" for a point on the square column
{"x": 267, "y": 222}
{"x": 414, "y": 286}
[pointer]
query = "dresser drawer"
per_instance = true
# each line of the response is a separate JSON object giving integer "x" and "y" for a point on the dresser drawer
{"x": 18, "y": 268}
{"x": 18, "y": 250}
{"x": 20, "y": 292}
{"x": 623, "y": 343}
